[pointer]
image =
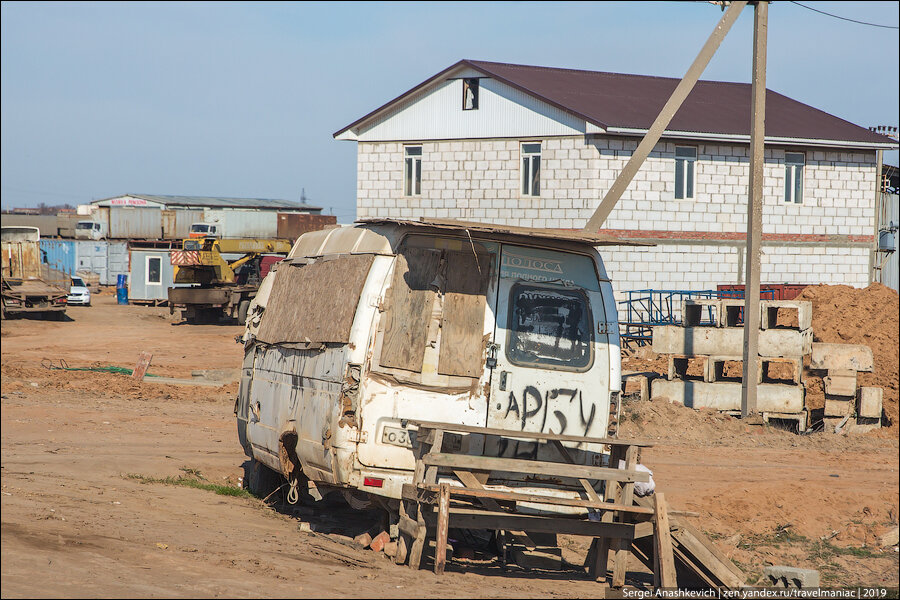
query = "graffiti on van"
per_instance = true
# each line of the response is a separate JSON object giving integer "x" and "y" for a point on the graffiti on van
{"x": 541, "y": 412}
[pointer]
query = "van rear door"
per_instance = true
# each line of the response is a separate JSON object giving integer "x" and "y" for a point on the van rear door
{"x": 552, "y": 373}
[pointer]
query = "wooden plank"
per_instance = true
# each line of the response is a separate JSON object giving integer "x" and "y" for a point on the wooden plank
{"x": 476, "y": 490}
{"x": 479, "y": 519}
{"x": 601, "y": 556}
{"x": 534, "y": 467}
{"x": 462, "y": 320}
{"x": 408, "y": 311}
{"x": 315, "y": 302}
{"x": 437, "y": 445}
{"x": 528, "y": 435}
{"x": 143, "y": 364}
{"x": 522, "y": 497}
{"x": 719, "y": 568}
{"x": 415, "y": 554}
{"x": 711, "y": 548}
{"x": 626, "y": 496}
{"x": 440, "y": 548}
{"x": 588, "y": 488}
{"x": 665, "y": 558}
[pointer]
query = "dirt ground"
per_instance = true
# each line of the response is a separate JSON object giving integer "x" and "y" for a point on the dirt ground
{"x": 85, "y": 513}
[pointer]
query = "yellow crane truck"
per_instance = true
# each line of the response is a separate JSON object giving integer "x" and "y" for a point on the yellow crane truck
{"x": 212, "y": 287}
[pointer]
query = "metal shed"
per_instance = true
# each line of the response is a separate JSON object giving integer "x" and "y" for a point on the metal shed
{"x": 151, "y": 275}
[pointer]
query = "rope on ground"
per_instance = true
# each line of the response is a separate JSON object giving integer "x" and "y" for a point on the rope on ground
{"x": 61, "y": 365}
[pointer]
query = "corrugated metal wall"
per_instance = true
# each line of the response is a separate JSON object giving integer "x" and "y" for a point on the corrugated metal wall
{"x": 237, "y": 223}
{"x": 138, "y": 288}
{"x": 61, "y": 255}
{"x": 135, "y": 223}
{"x": 176, "y": 224}
{"x": 107, "y": 259}
{"x": 889, "y": 219}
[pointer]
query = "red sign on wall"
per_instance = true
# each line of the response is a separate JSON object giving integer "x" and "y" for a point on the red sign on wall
{"x": 128, "y": 202}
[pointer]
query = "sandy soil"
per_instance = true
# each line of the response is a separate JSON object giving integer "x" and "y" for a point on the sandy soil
{"x": 72, "y": 442}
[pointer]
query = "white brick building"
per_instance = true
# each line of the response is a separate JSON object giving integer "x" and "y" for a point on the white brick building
{"x": 540, "y": 147}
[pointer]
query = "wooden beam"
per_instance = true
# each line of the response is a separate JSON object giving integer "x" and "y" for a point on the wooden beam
{"x": 528, "y": 435}
{"x": 534, "y": 467}
{"x": 479, "y": 519}
{"x": 663, "y": 538}
{"x": 410, "y": 492}
{"x": 626, "y": 498}
{"x": 754, "y": 210}
{"x": 440, "y": 547}
{"x": 665, "y": 116}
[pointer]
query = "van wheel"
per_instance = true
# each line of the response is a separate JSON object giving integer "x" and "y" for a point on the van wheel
{"x": 243, "y": 309}
{"x": 259, "y": 479}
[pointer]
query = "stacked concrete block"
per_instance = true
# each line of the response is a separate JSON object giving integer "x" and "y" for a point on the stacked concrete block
{"x": 844, "y": 399}
{"x": 706, "y": 361}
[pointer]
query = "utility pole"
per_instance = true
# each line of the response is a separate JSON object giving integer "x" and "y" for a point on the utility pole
{"x": 754, "y": 210}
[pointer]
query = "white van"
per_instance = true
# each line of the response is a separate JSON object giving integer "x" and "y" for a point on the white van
{"x": 363, "y": 328}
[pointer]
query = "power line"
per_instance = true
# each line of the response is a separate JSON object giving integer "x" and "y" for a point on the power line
{"x": 822, "y": 12}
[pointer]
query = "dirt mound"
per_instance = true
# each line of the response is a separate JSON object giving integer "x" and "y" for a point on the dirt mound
{"x": 869, "y": 316}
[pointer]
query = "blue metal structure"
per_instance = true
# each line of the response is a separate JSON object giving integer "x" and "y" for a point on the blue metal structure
{"x": 646, "y": 309}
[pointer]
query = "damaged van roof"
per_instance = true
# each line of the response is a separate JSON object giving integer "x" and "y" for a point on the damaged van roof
{"x": 564, "y": 235}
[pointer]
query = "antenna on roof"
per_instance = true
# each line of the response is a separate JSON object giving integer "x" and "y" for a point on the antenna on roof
{"x": 303, "y": 196}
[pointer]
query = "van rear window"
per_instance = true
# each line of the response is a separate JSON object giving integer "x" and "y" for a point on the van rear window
{"x": 549, "y": 327}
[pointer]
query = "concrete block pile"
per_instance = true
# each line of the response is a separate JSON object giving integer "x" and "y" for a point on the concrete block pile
{"x": 706, "y": 357}
{"x": 847, "y": 405}
{"x": 705, "y": 369}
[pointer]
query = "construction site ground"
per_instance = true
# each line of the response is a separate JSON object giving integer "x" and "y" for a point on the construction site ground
{"x": 112, "y": 487}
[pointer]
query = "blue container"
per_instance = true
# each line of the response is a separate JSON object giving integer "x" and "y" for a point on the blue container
{"x": 122, "y": 281}
{"x": 122, "y": 295}
{"x": 61, "y": 255}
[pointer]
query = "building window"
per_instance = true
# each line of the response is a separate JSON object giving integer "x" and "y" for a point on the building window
{"x": 154, "y": 270}
{"x": 685, "y": 157}
{"x": 470, "y": 93}
{"x": 531, "y": 169}
{"x": 413, "y": 179}
{"x": 793, "y": 176}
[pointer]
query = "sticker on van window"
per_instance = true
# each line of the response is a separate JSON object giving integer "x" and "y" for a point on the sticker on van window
{"x": 549, "y": 327}
{"x": 547, "y": 266}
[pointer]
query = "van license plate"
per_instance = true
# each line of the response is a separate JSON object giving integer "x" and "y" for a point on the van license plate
{"x": 396, "y": 436}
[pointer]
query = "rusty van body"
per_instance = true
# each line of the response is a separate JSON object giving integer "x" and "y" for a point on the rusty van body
{"x": 366, "y": 327}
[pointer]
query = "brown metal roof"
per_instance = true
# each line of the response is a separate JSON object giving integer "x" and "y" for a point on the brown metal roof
{"x": 564, "y": 235}
{"x": 633, "y": 101}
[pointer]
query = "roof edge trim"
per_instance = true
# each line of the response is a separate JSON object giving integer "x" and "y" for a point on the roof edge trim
{"x": 738, "y": 137}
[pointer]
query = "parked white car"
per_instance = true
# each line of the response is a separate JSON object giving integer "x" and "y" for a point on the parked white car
{"x": 79, "y": 293}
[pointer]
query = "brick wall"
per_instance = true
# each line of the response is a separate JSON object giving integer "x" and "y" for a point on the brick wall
{"x": 481, "y": 180}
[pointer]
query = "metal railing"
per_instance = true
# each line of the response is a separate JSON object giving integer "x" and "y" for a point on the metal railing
{"x": 646, "y": 309}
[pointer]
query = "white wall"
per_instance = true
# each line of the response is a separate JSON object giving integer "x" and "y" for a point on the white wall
{"x": 823, "y": 240}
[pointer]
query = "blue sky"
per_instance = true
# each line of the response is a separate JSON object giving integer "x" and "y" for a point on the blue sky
{"x": 241, "y": 99}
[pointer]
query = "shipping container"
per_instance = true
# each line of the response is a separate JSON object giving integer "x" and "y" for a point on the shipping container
{"x": 21, "y": 259}
{"x": 236, "y": 223}
{"x": 127, "y": 222}
{"x": 176, "y": 224}
{"x": 61, "y": 255}
{"x": 116, "y": 262}
{"x": 151, "y": 275}
{"x": 293, "y": 225}
{"x": 106, "y": 259}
